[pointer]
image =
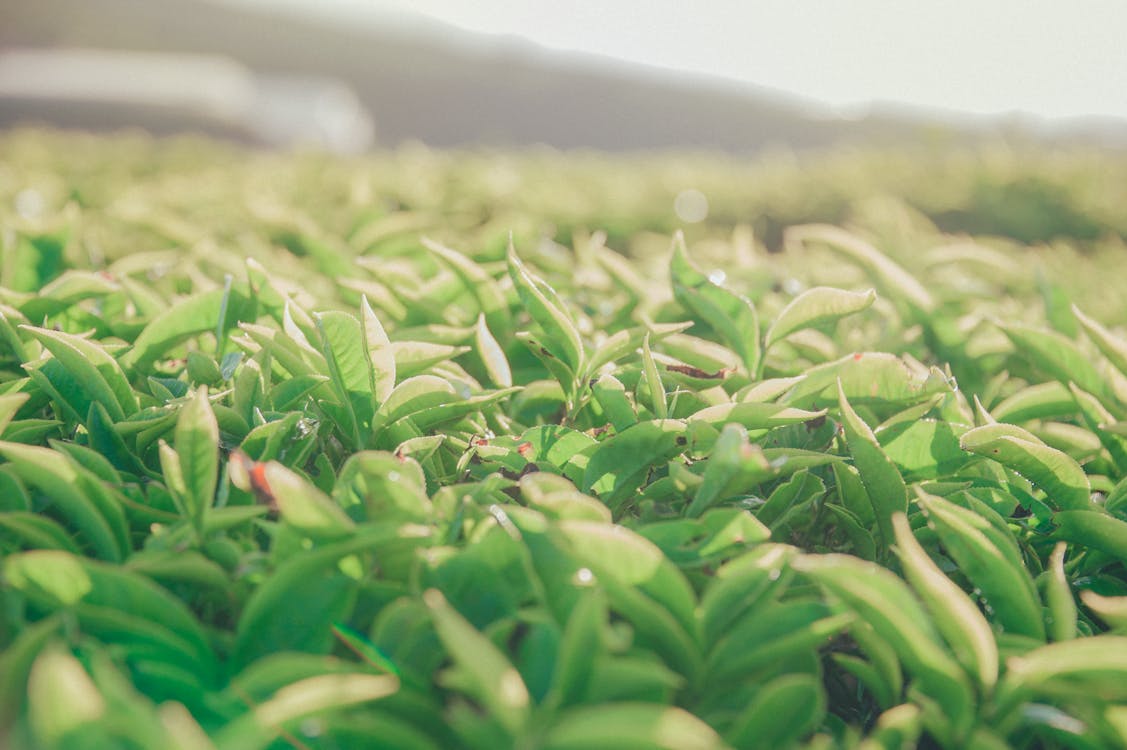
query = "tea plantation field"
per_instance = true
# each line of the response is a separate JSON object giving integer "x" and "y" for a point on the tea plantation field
{"x": 488, "y": 450}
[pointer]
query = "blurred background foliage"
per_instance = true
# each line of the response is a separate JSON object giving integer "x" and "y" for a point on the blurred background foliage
{"x": 1065, "y": 205}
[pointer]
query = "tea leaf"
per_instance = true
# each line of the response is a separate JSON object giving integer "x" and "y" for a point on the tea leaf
{"x": 98, "y": 374}
{"x": 496, "y": 365}
{"x": 895, "y": 281}
{"x": 882, "y": 481}
{"x": 1063, "y": 480}
{"x": 782, "y": 712}
{"x": 620, "y": 464}
{"x": 102, "y": 526}
{"x": 816, "y": 307}
{"x": 561, "y": 336}
{"x": 993, "y": 565}
{"x": 957, "y": 618}
{"x": 732, "y": 317}
{"x": 490, "y": 677}
{"x": 637, "y": 725}
{"x": 197, "y": 445}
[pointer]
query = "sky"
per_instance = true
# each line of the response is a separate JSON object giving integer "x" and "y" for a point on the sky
{"x": 1045, "y": 57}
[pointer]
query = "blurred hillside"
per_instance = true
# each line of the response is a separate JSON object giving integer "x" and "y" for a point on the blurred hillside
{"x": 449, "y": 88}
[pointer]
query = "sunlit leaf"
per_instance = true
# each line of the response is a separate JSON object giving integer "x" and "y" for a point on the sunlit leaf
{"x": 816, "y": 307}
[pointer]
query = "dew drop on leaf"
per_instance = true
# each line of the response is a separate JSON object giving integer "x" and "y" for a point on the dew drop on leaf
{"x": 584, "y": 577}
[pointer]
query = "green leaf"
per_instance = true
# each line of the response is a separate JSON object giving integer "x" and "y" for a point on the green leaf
{"x": 1085, "y": 667}
{"x": 884, "y": 677}
{"x": 1055, "y": 355}
{"x": 58, "y": 679}
{"x": 615, "y": 551}
{"x": 345, "y": 346}
{"x": 755, "y": 416}
{"x": 1111, "y": 346}
{"x": 581, "y": 645}
{"x": 10, "y": 403}
{"x": 174, "y": 478}
{"x": 633, "y": 677}
{"x": 10, "y": 322}
{"x": 1110, "y": 609}
{"x": 555, "y": 444}
{"x": 107, "y": 441}
{"x": 653, "y": 381}
{"x": 294, "y": 608}
{"x": 611, "y": 395}
{"x": 1096, "y": 418}
{"x": 625, "y": 342}
{"x": 621, "y": 462}
{"x": 300, "y": 700}
{"x": 490, "y": 299}
{"x": 189, "y": 317}
{"x": 432, "y": 417}
{"x": 1049, "y": 400}
{"x": 365, "y": 649}
{"x": 381, "y": 355}
{"x": 289, "y": 393}
{"x": 349, "y": 369}
{"x": 412, "y": 396}
{"x": 98, "y": 374}
{"x": 715, "y": 536}
{"x": 16, "y": 662}
{"x": 882, "y": 480}
{"x": 771, "y": 635}
{"x": 732, "y": 316}
{"x": 639, "y": 726}
{"x": 488, "y": 677}
{"x": 898, "y": 727}
{"x": 67, "y": 289}
{"x": 30, "y": 431}
{"x": 991, "y": 561}
{"x": 203, "y": 369}
{"x": 556, "y": 367}
{"x": 55, "y": 579}
{"x": 740, "y": 585}
{"x": 782, "y": 712}
{"x": 895, "y": 282}
{"x": 197, "y": 445}
{"x": 561, "y": 337}
{"x": 925, "y": 449}
{"x": 390, "y": 486}
{"x": 1062, "y": 479}
{"x": 34, "y": 531}
{"x": 790, "y": 497}
{"x": 868, "y": 378}
{"x": 816, "y": 307}
{"x": 101, "y": 525}
{"x": 884, "y": 601}
{"x": 294, "y": 359}
{"x": 1058, "y": 597}
{"x": 867, "y": 677}
{"x": 1093, "y": 530}
{"x": 418, "y": 357}
{"x": 179, "y": 566}
{"x": 492, "y": 356}
{"x": 956, "y": 616}
{"x": 732, "y": 447}
{"x": 561, "y": 503}
{"x": 303, "y": 506}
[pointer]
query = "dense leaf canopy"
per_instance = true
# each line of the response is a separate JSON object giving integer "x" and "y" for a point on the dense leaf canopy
{"x": 431, "y": 450}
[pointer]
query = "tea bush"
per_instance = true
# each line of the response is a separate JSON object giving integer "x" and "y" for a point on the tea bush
{"x": 432, "y": 450}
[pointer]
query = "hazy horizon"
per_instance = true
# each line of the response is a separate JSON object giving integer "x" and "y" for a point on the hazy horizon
{"x": 961, "y": 57}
